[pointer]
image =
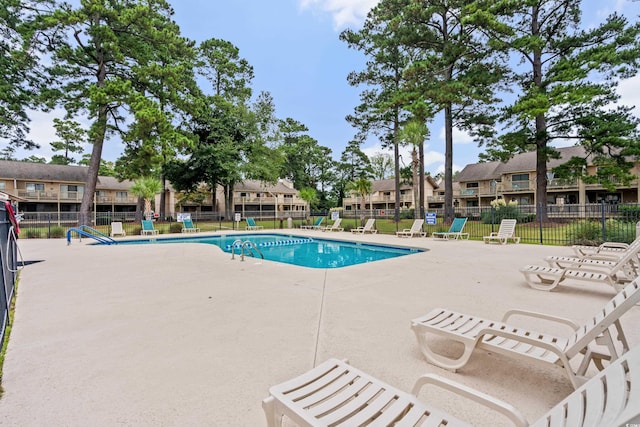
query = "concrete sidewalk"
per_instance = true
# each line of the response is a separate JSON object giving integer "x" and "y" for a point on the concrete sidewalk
{"x": 181, "y": 335}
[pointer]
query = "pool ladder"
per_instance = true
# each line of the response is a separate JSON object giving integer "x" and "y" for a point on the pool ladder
{"x": 246, "y": 244}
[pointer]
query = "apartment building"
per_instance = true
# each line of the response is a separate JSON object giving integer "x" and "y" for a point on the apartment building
{"x": 515, "y": 180}
{"x": 383, "y": 196}
{"x": 58, "y": 189}
{"x": 45, "y": 188}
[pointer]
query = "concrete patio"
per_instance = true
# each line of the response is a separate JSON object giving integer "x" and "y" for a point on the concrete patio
{"x": 181, "y": 335}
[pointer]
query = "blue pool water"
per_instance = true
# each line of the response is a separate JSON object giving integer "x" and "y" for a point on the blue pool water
{"x": 297, "y": 250}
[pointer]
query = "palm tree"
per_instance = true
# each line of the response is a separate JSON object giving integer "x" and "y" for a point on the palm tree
{"x": 309, "y": 195}
{"x": 146, "y": 188}
{"x": 362, "y": 187}
{"x": 414, "y": 132}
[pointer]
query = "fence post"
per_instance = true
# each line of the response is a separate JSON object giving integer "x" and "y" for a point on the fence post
{"x": 604, "y": 221}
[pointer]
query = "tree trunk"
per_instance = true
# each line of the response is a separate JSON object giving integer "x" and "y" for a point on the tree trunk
{"x": 396, "y": 160}
{"x": 421, "y": 175}
{"x": 541, "y": 126}
{"x": 448, "y": 165}
{"x": 414, "y": 169}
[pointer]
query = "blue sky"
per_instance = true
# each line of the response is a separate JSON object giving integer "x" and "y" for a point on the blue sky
{"x": 294, "y": 48}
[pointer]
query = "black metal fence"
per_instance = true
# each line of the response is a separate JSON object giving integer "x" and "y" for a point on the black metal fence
{"x": 8, "y": 257}
{"x": 562, "y": 224}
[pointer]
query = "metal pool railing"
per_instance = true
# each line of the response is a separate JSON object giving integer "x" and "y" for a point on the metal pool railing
{"x": 9, "y": 270}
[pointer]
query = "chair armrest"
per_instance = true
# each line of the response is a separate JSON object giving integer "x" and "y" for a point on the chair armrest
{"x": 497, "y": 405}
{"x": 613, "y": 245}
{"x": 563, "y": 320}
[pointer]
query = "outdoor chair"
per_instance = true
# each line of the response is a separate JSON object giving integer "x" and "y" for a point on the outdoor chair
{"x": 368, "y": 227}
{"x": 252, "y": 226}
{"x": 454, "y": 232}
{"x": 507, "y": 339}
{"x": 147, "y": 228}
{"x": 117, "y": 230}
{"x": 415, "y": 230}
{"x": 613, "y": 273}
{"x": 505, "y": 233}
{"x": 336, "y": 394}
{"x": 334, "y": 227}
{"x": 315, "y": 226}
{"x": 188, "y": 227}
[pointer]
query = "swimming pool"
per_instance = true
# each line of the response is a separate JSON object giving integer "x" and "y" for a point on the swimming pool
{"x": 292, "y": 249}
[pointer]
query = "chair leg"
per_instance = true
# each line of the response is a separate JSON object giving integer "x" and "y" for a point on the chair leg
{"x": 268, "y": 405}
{"x": 452, "y": 364}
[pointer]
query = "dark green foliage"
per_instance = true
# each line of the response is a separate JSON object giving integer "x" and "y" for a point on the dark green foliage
{"x": 57, "y": 232}
{"x": 175, "y": 227}
{"x": 629, "y": 213}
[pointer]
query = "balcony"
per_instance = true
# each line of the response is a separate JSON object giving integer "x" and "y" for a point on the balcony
{"x": 517, "y": 186}
{"x": 38, "y": 195}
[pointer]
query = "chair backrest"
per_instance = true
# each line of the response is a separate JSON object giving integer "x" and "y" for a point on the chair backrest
{"x": 336, "y": 223}
{"x": 612, "y": 311}
{"x": 116, "y": 227}
{"x": 318, "y": 221}
{"x": 457, "y": 225}
{"x": 370, "y": 223}
{"x": 507, "y": 227}
{"x": 251, "y": 222}
{"x": 417, "y": 225}
{"x": 610, "y": 398}
{"x": 187, "y": 223}
{"x": 147, "y": 224}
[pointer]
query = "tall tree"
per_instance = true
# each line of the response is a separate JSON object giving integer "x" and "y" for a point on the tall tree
{"x": 353, "y": 164}
{"x": 381, "y": 111}
{"x": 21, "y": 77}
{"x": 567, "y": 88}
{"x": 72, "y": 137}
{"x": 381, "y": 165}
{"x": 100, "y": 68}
{"x": 146, "y": 188}
{"x": 414, "y": 133}
{"x": 455, "y": 72}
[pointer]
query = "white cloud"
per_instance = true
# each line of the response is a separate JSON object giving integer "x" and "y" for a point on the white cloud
{"x": 344, "y": 12}
{"x": 459, "y": 136}
{"x": 629, "y": 91}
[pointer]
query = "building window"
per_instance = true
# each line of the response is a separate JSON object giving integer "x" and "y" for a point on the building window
{"x": 3, "y": 185}
{"x": 121, "y": 194}
{"x": 472, "y": 185}
{"x": 244, "y": 194}
{"x": 288, "y": 196}
{"x": 70, "y": 188}
{"x": 520, "y": 177}
{"x": 31, "y": 186}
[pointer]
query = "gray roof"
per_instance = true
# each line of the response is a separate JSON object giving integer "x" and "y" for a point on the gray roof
{"x": 390, "y": 184}
{"x": 42, "y": 171}
{"x": 525, "y": 162}
{"x": 57, "y": 173}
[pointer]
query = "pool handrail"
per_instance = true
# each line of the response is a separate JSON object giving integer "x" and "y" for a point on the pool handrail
{"x": 85, "y": 230}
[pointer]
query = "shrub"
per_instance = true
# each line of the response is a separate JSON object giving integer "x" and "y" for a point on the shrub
{"x": 629, "y": 213}
{"x": 32, "y": 233}
{"x": 502, "y": 210}
{"x": 406, "y": 214}
{"x": 57, "y": 232}
{"x": 175, "y": 227}
{"x": 585, "y": 232}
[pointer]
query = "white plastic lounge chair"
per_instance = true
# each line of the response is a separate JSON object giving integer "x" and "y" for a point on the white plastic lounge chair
{"x": 455, "y": 231}
{"x": 615, "y": 274}
{"x": 252, "y": 226}
{"x": 368, "y": 227}
{"x": 505, "y": 233}
{"x": 147, "y": 227}
{"x": 607, "y": 249}
{"x": 188, "y": 227}
{"x": 315, "y": 226}
{"x": 500, "y": 337}
{"x": 117, "y": 230}
{"x": 415, "y": 230}
{"x": 333, "y": 227}
{"x": 335, "y": 393}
